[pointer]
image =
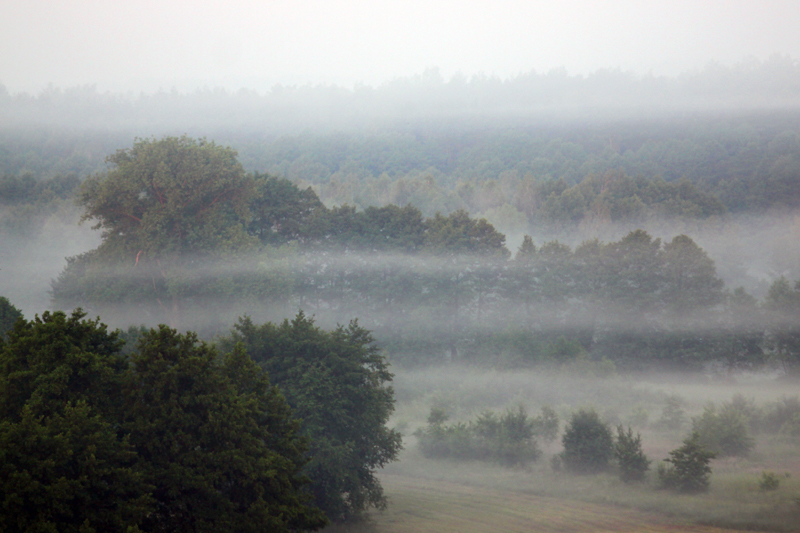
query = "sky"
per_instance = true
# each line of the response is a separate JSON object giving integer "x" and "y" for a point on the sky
{"x": 150, "y": 45}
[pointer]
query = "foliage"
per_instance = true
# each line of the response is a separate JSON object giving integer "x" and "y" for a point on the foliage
{"x": 508, "y": 439}
{"x": 588, "y": 443}
{"x": 177, "y": 440}
{"x": 215, "y": 439}
{"x": 689, "y": 471}
{"x": 165, "y": 206}
{"x": 672, "y": 415}
{"x": 633, "y": 463}
{"x": 8, "y": 316}
{"x": 545, "y": 426}
{"x": 337, "y": 383}
{"x": 63, "y": 464}
{"x": 724, "y": 432}
{"x": 782, "y": 305}
{"x": 769, "y": 481}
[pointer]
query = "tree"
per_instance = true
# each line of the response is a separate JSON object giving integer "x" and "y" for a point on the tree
{"x": 215, "y": 439}
{"x": 8, "y": 316}
{"x": 782, "y": 306}
{"x": 282, "y": 212}
{"x": 723, "y": 432}
{"x": 633, "y": 463}
{"x": 588, "y": 443}
{"x": 689, "y": 471}
{"x": 165, "y": 206}
{"x": 690, "y": 278}
{"x": 176, "y": 441}
{"x": 64, "y": 464}
{"x": 336, "y": 382}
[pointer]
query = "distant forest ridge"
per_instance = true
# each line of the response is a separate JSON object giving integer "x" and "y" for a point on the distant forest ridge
{"x": 549, "y": 96}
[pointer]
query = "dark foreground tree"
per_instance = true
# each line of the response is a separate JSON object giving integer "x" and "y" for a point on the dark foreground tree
{"x": 215, "y": 439}
{"x": 178, "y": 441}
{"x": 63, "y": 464}
{"x": 588, "y": 443}
{"x": 337, "y": 383}
{"x": 8, "y": 316}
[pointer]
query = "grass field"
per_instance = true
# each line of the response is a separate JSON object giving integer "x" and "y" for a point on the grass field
{"x": 441, "y": 506}
{"x": 438, "y": 496}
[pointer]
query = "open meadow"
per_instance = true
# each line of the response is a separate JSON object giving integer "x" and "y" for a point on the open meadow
{"x": 453, "y": 495}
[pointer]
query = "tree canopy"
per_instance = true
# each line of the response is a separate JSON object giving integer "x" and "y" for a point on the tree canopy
{"x": 176, "y": 439}
{"x": 337, "y": 383}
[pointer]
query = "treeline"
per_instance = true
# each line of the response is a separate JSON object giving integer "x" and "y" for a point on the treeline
{"x": 181, "y": 246}
{"x": 604, "y": 94}
{"x": 738, "y": 164}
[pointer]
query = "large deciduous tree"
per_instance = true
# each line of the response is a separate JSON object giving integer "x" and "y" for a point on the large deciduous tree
{"x": 337, "y": 383}
{"x": 179, "y": 440}
{"x": 163, "y": 208}
{"x": 64, "y": 466}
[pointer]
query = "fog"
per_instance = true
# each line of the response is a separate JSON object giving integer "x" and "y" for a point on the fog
{"x": 256, "y": 45}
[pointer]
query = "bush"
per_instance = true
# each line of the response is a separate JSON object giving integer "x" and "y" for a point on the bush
{"x": 588, "y": 443}
{"x": 633, "y": 463}
{"x": 507, "y": 439}
{"x": 689, "y": 471}
{"x": 673, "y": 415}
{"x": 769, "y": 481}
{"x": 778, "y": 414}
{"x": 724, "y": 432}
{"x": 546, "y": 424}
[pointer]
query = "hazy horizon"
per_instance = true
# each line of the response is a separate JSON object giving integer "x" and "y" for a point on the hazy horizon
{"x": 149, "y": 46}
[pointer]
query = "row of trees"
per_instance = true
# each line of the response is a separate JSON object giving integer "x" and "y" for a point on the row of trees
{"x": 162, "y": 432}
{"x": 186, "y": 232}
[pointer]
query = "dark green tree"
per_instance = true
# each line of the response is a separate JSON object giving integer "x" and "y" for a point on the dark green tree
{"x": 64, "y": 464}
{"x": 8, "y": 316}
{"x": 588, "y": 443}
{"x": 689, "y": 470}
{"x": 633, "y": 463}
{"x": 337, "y": 384}
{"x": 215, "y": 439}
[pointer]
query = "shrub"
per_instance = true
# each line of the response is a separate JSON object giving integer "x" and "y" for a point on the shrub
{"x": 724, "y": 432}
{"x": 546, "y": 424}
{"x": 769, "y": 481}
{"x": 588, "y": 443}
{"x": 633, "y": 463}
{"x": 673, "y": 415}
{"x": 507, "y": 439}
{"x": 778, "y": 414}
{"x": 689, "y": 471}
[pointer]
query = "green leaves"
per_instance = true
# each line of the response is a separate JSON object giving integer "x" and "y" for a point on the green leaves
{"x": 337, "y": 384}
{"x": 180, "y": 439}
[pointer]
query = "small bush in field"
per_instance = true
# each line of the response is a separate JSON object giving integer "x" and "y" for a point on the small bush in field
{"x": 588, "y": 443}
{"x": 688, "y": 470}
{"x": 633, "y": 463}
{"x": 769, "y": 481}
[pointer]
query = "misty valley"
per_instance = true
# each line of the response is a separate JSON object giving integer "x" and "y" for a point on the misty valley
{"x": 451, "y": 319}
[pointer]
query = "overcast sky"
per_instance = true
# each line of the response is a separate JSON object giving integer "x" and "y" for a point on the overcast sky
{"x": 145, "y": 45}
